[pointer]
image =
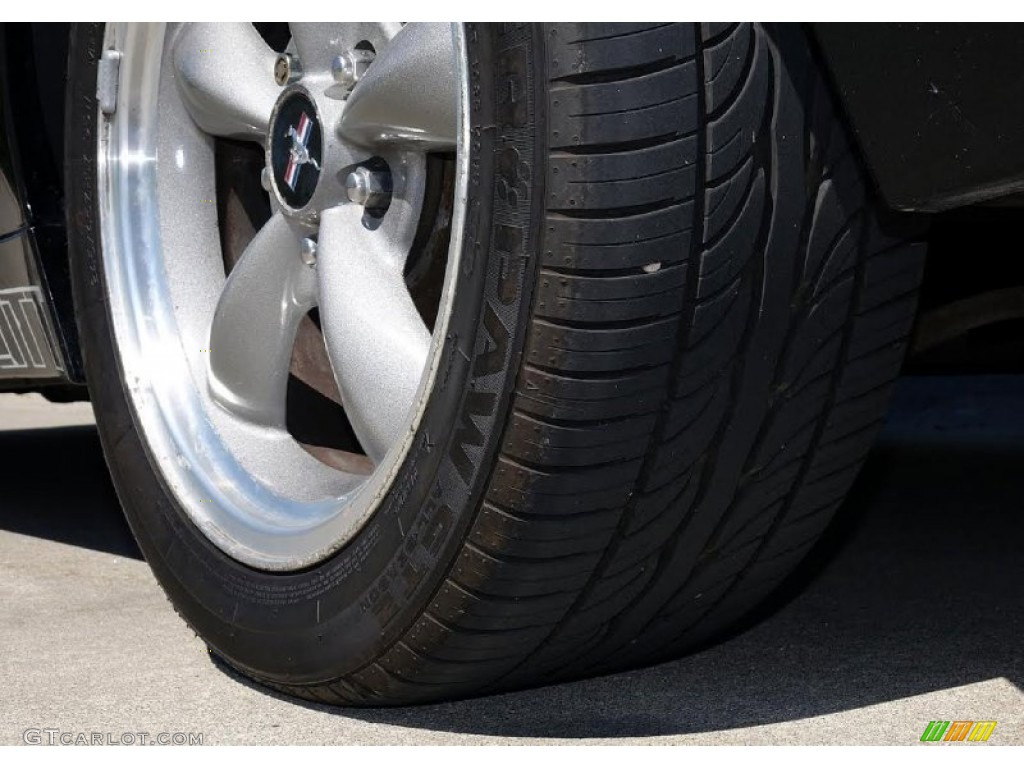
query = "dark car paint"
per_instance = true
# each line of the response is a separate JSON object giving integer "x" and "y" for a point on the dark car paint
{"x": 937, "y": 111}
{"x": 33, "y": 64}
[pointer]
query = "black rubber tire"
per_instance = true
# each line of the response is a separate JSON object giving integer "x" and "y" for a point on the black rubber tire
{"x": 682, "y": 337}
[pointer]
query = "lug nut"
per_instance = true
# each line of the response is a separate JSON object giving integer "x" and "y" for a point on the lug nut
{"x": 350, "y": 66}
{"x": 287, "y": 69}
{"x": 368, "y": 188}
{"x": 307, "y": 251}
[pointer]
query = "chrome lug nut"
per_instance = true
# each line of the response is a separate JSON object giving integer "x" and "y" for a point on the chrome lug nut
{"x": 350, "y": 66}
{"x": 287, "y": 69}
{"x": 368, "y": 188}
{"x": 307, "y": 251}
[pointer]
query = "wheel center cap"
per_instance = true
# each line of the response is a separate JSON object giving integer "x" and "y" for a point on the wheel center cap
{"x": 296, "y": 148}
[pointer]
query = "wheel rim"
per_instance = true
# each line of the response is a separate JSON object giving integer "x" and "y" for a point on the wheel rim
{"x": 346, "y": 116}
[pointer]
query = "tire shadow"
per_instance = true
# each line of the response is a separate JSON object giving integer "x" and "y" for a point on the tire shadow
{"x": 57, "y": 487}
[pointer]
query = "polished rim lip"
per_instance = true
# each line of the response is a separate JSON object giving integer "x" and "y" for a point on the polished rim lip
{"x": 164, "y": 416}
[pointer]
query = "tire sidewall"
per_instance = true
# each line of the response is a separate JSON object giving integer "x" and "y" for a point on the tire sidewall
{"x": 326, "y": 621}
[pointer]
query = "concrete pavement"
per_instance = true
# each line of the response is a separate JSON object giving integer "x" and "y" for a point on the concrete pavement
{"x": 914, "y": 612}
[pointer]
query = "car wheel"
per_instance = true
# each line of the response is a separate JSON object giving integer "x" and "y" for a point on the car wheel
{"x": 444, "y": 359}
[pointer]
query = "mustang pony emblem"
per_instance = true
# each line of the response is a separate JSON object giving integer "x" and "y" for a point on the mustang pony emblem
{"x": 298, "y": 154}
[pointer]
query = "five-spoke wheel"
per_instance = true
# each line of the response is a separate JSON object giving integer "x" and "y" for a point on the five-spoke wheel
{"x": 349, "y": 118}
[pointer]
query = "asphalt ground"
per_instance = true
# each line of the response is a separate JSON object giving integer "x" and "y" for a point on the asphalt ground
{"x": 911, "y": 610}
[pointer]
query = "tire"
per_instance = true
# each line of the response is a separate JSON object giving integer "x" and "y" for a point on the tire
{"x": 676, "y": 345}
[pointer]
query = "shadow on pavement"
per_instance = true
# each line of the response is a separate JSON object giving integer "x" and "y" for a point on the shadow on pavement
{"x": 57, "y": 488}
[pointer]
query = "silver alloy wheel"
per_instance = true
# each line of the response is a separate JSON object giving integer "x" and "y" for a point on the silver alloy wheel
{"x": 204, "y": 355}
